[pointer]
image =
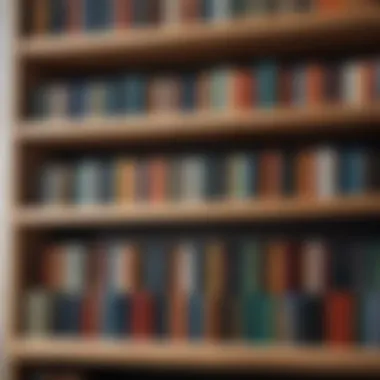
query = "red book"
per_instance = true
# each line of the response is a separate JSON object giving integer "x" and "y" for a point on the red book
{"x": 178, "y": 312}
{"x": 242, "y": 89}
{"x": 315, "y": 84}
{"x": 339, "y": 318}
{"x": 142, "y": 316}
{"x": 91, "y": 312}
{"x": 75, "y": 15}
{"x": 123, "y": 13}
{"x": 158, "y": 180}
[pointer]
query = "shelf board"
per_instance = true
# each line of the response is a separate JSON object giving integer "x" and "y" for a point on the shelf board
{"x": 187, "y": 212}
{"x": 200, "y": 125}
{"x": 273, "y": 358}
{"x": 255, "y": 35}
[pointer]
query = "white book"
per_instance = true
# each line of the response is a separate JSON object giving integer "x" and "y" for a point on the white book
{"x": 171, "y": 12}
{"x": 38, "y": 313}
{"x": 193, "y": 179}
{"x": 220, "y": 10}
{"x": 75, "y": 268}
{"x": 58, "y": 100}
{"x": 314, "y": 266}
{"x": 326, "y": 172}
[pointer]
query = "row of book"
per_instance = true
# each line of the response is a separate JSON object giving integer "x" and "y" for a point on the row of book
{"x": 66, "y": 16}
{"x": 314, "y": 172}
{"x": 212, "y": 266}
{"x": 265, "y": 84}
{"x": 309, "y": 291}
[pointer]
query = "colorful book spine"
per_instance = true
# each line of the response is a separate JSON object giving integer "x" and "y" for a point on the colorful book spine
{"x": 38, "y": 311}
{"x": 220, "y": 10}
{"x": 220, "y": 86}
{"x": 267, "y": 80}
{"x": 188, "y": 91}
{"x": 58, "y": 16}
{"x": 326, "y": 172}
{"x": 77, "y": 98}
{"x": 122, "y": 13}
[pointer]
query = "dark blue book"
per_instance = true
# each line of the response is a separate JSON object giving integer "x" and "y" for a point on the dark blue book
{"x": 290, "y": 317}
{"x": 58, "y": 16}
{"x": 267, "y": 79}
{"x": 352, "y": 170}
{"x": 161, "y": 319}
{"x": 196, "y": 311}
{"x": 77, "y": 98}
{"x": 341, "y": 266}
{"x": 155, "y": 267}
{"x": 216, "y": 180}
{"x": 135, "y": 93}
{"x": 107, "y": 180}
{"x": 67, "y": 314}
{"x": 114, "y": 314}
{"x": 115, "y": 96}
{"x": 206, "y": 9}
{"x": 188, "y": 96}
{"x": 369, "y": 328}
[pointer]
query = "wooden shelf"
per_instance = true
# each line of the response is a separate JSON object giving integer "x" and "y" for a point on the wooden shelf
{"x": 225, "y": 356}
{"x": 257, "y": 36}
{"x": 221, "y": 211}
{"x": 278, "y": 121}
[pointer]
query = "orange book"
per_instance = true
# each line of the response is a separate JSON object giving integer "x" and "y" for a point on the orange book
{"x": 40, "y": 16}
{"x": 126, "y": 180}
{"x": 242, "y": 97}
{"x": 178, "y": 315}
{"x": 123, "y": 13}
{"x": 315, "y": 84}
{"x": 215, "y": 268}
{"x": 367, "y": 80}
{"x": 75, "y": 15}
{"x": 158, "y": 181}
{"x": 270, "y": 173}
{"x": 213, "y": 318}
{"x": 306, "y": 173}
{"x": 276, "y": 267}
{"x": 340, "y": 318}
{"x": 142, "y": 316}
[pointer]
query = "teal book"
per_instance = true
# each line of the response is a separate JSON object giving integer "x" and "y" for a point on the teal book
{"x": 258, "y": 318}
{"x": 135, "y": 93}
{"x": 267, "y": 82}
{"x": 220, "y": 89}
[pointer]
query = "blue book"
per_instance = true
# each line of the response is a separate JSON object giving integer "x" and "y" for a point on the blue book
{"x": 206, "y": 9}
{"x": 161, "y": 316}
{"x": 67, "y": 313}
{"x": 89, "y": 15}
{"x": 369, "y": 319}
{"x": 352, "y": 170}
{"x": 196, "y": 316}
{"x": 267, "y": 79}
{"x": 154, "y": 267}
{"x": 135, "y": 94}
{"x": 97, "y": 14}
{"x": 299, "y": 86}
{"x": 290, "y": 317}
{"x": 189, "y": 83}
{"x": 58, "y": 16}
{"x": 114, "y": 314}
{"x": 115, "y": 96}
{"x": 77, "y": 98}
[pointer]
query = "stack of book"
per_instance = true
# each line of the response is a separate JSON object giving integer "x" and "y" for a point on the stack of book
{"x": 67, "y": 16}
{"x": 264, "y": 84}
{"x": 312, "y": 290}
{"x": 313, "y": 172}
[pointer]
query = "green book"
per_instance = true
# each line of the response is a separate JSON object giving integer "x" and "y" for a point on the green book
{"x": 219, "y": 79}
{"x": 252, "y": 265}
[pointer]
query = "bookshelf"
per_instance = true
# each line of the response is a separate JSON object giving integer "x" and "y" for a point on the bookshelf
{"x": 284, "y": 35}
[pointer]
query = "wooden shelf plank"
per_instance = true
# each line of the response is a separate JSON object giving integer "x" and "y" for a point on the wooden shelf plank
{"x": 272, "y": 358}
{"x": 278, "y": 121}
{"x": 182, "y": 212}
{"x": 261, "y": 35}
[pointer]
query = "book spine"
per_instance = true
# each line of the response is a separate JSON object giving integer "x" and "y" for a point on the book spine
{"x": 122, "y": 13}
{"x": 267, "y": 78}
{"x": 299, "y": 86}
{"x": 188, "y": 91}
{"x": 38, "y": 101}
{"x": 215, "y": 177}
{"x": 203, "y": 91}
{"x": 142, "y": 316}
{"x": 276, "y": 267}
{"x": 193, "y": 178}
{"x": 155, "y": 268}
{"x": 96, "y": 99}
{"x": 220, "y": 83}
{"x": 75, "y": 268}
{"x": 135, "y": 94}
{"x": 171, "y": 12}
{"x": 306, "y": 173}
{"x": 74, "y": 15}
{"x": 220, "y": 10}
{"x": 77, "y": 99}
{"x": 252, "y": 266}
{"x": 114, "y": 314}
{"x": 38, "y": 313}
{"x": 190, "y": 10}
{"x": 215, "y": 268}
{"x": 310, "y": 318}
{"x": 213, "y": 317}
{"x": 40, "y": 16}
{"x": 206, "y": 9}
{"x": 242, "y": 88}
{"x": 157, "y": 179}
{"x": 369, "y": 321}
{"x": 314, "y": 84}
{"x": 326, "y": 172}
{"x": 196, "y": 316}
{"x": 270, "y": 171}
{"x": 125, "y": 180}
{"x": 58, "y": 16}
{"x": 87, "y": 189}
{"x": 57, "y": 100}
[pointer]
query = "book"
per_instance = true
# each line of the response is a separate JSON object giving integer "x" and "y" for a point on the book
{"x": 74, "y": 267}
{"x": 157, "y": 179}
{"x": 77, "y": 98}
{"x": 107, "y": 180}
{"x": 310, "y": 319}
{"x": 232, "y": 268}
{"x": 314, "y": 267}
{"x": 90, "y": 322}
{"x": 220, "y": 85}
{"x": 135, "y": 93}
{"x": 215, "y": 176}
{"x": 161, "y": 316}
{"x": 289, "y": 316}
{"x": 252, "y": 262}
{"x": 220, "y": 10}
{"x": 98, "y": 15}
{"x": 285, "y": 84}
{"x": 188, "y": 91}
{"x": 238, "y": 8}
{"x": 271, "y": 163}
{"x": 215, "y": 268}
{"x": 213, "y": 317}
{"x": 116, "y": 307}
{"x": 122, "y": 13}
{"x": 142, "y": 316}
{"x": 38, "y": 102}
{"x": 53, "y": 259}
{"x": 326, "y": 172}
{"x": 67, "y": 314}
{"x": 267, "y": 82}
{"x": 38, "y": 311}
{"x": 242, "y": 88}
{"x": 294, "y": 266}
{"x": 154, "y": 267}
{"x": 58, "y": 16}
{"x": 96, "y": 98}
{"x": 171, "y": 12}
{"x": 125, "y": 180}
{"x": 207, "y": 9}
{"x": 314, "y": 79}
{"x": 275, "y": 262}
{"x": 230, "y": 318}
{"x": 196, "y": 317}
{"x": 142, "y": 180}
{"x": 175, "y": 178}
{"x": 193, "y": 178}
{"x": 369, "y": 329}
{"x": 178, "y": 315}
{"x": 203, "y": 90}
{"x": 40, "y": 16}
{"x": 164, "y": 94}
{"x": 341, "y": 268}
{"x": 114, "y": 96}
{"x": 332, "y": 82}
{"x": 306, "y": 173}
{"x": 299, "y": 86}
{"x": 373, "y": 170}
{"x": 340, "y": 319}
{"x": 288, "y": 177}
{"x": 57, "y": 99}
{"x": 190, "y": 10}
